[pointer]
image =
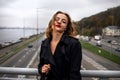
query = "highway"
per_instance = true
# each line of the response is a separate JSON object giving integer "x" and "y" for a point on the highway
{"x": 107, "y": 46}
{"x": 23, "y": 59}
{"x": 94, "y": 62}
{"x": 90, "y": 61}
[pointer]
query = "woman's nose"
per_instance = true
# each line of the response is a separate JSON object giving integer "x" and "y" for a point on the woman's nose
{"x": 59, "y": 21}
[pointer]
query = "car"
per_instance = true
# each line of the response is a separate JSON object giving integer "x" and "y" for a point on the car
{"x": 114, "y": 42}
{"x": 117, "y": 49}
{"x": 109, "y": 41}
{"x": 30, "y": 45}
{"x": 99, "y": 43}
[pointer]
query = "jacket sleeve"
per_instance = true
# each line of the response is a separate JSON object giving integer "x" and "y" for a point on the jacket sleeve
{"x": 75, "y": 61}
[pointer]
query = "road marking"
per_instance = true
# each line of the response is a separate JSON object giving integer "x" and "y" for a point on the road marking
{"x": 26, "y": 49}
{"x": 19, "y": 60}
{"x": 33, "y": 49}
{"x": 27, "y": 52}
{"x": 21, "y": 76}
{"x": 83, "y": 68}
{"x": 95, "y": 78}
{"x": 24, "y": 56}
{"x": 14, "y": 66}
{"x": 94, "y": 63}
{"x": 33, "y": 58}
{"x": 4, "y": 75}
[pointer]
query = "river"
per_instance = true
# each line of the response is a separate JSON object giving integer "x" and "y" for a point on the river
{"x": 13, "y": 35}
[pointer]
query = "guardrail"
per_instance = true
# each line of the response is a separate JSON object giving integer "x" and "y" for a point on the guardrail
{"x": 101, "y": 74}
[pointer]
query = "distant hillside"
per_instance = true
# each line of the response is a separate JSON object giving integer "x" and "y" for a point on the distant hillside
{"x": 93, "y": 25}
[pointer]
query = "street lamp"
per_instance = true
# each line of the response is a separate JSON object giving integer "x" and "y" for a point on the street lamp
{"x": 37, "y": 22}
{"x": 37, "y": 12}
{"x": 24, "y": 28}
{"x": 112, "y": 17}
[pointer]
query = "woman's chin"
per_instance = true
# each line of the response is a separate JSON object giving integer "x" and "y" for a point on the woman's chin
{"x": 60, "y": 31}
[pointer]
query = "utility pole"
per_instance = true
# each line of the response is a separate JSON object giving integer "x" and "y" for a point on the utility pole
{"x": 37, "y": 23}
{"x": 112, "y": 17}
{"x": 24, "y": 28}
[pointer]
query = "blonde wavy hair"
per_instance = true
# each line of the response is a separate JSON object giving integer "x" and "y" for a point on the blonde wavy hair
{"x": 69, "y": 31}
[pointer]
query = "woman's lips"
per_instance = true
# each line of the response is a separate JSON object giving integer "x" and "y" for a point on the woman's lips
{"x": 58, "y": 26}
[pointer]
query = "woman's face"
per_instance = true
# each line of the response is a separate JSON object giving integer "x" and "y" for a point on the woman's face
{"x": 60, "y": 23}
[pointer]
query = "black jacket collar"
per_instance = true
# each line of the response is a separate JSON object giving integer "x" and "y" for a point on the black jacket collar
{"x": 63, "y": 40}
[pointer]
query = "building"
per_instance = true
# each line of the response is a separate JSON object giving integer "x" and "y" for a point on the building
{"x": 111, "y": 31}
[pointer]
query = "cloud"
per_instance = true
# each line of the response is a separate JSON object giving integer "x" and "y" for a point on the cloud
{"x": 15, "y": 11}
{"x": 78, "y": 8}
{"x": 5, "y": 2}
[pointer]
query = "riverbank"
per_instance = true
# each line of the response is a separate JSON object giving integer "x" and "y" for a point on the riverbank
{"x": 11, "y": 50}
{"x": 8, "y": 44}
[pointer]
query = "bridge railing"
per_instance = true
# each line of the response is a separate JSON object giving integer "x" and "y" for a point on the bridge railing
{"x": 101, "y": 74}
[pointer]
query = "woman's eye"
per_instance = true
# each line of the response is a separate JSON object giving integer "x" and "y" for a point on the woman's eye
{"x": 63, "y": 21}
{"x": 57, "y": 19}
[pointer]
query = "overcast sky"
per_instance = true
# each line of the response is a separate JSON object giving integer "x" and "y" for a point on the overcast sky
{"x": 20, "y": 13}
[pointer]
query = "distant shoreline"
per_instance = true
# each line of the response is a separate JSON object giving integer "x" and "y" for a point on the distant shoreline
{"x": 7, "y": 44}
{"x": 8, "y": 36}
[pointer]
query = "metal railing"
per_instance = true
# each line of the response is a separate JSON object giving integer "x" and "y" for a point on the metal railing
{"x": 101, "y": 74}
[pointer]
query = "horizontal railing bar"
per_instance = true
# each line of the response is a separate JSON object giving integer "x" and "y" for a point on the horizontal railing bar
{"x": 20, "y": 71}
{"x": 101, "y": 73}
{"x": 17, "y": 78}
{"x": 84, "y": 73}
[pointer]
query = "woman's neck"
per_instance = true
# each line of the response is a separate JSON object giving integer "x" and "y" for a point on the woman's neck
{"x": 56, "y": 36}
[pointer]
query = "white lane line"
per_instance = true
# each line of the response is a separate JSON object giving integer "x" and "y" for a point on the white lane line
{"x": 27, "y": 52}
{"x": 24, "y": 56}
{"x": 4, "y": 75}
{"x": 94, "y": 63}
{"x": 33, "y": 58}
{"x": 95, "y": 79}
{"x": 19, "y": 60}
{"x": 21, "y": 76}
{"x": 14, "y": 66}
{"x": 83, "y": 68}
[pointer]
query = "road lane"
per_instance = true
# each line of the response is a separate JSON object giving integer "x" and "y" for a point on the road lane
{"x": 26, "y": 53}
{"x": 106, "y": 46}
{"x": 92, "y": 61}
{"x": 98, "y": 62}
{"x": 22, "y": 58}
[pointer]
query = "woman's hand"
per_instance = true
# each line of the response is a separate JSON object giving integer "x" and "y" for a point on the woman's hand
{"x": 45, "y": 68}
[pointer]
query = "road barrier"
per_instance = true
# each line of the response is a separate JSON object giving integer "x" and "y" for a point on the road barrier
{"x": 101, "y": 74}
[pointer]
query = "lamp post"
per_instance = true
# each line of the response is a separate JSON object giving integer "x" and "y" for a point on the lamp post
{"x": 24, "y": 28}
{"x": 112, "y": 17}
{"x": 37, "y": 23}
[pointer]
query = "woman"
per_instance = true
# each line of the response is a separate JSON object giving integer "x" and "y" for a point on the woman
{"x": 60, "y": 55}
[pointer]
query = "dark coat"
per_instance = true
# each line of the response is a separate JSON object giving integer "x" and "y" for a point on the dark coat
{"x": 66, "y": 61}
